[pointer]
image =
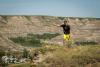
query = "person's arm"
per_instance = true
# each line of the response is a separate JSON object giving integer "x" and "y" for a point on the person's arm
{"x": 57, "y": 25}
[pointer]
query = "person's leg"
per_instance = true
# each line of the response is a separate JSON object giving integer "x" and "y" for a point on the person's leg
{"x": 66, "y": 40}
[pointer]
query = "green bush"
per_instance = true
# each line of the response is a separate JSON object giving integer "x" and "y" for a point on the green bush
{"x": 61, "y": 18}
{"x": 25, "y": 53}
{"x": 28, "y": 18}
{"x": 18, "y": 39}
{"x": 5, "y": 18}
{"x": 27, "y": 41}
{"x": 48, "y": 36}
{"x": 33, "y": 39}
{"x": 44, "y": 36}
{"x": 97, "y": 18}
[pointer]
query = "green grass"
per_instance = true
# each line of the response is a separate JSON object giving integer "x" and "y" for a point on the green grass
{"x": 20, "y": 65}
{"x": 33, "y": 39}
{"x": 46, "y": 35}
{"x": 27, "y": 41}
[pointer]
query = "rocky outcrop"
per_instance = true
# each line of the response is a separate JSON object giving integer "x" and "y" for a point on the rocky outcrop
{"x": 85, "y": 29}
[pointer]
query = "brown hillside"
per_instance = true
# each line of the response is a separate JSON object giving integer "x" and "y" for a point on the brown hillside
{"x": 14, "y": 26}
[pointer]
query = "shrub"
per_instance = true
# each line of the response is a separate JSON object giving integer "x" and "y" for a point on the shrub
{"x": 2, "y": 53}
{"x": 25, "y": 53}
{"x": 18, "y": 39}
{"x": 5, "y": 18}
{"x": 47, "y": 36}
{"x": 61, "y": 18}
{"x": 28, "y": 18}
{"x": 33, "y": 39}
{"x": 27, "y": 41}
{"x": 44, "y": 36}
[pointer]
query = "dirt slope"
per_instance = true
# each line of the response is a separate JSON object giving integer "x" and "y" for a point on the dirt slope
{"x": 14, "y": 26}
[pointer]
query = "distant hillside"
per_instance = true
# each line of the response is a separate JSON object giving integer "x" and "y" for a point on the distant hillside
{"x": 82, "y": 29}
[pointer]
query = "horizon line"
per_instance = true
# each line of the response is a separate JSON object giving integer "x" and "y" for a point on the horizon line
{"x": 46, "y": 15}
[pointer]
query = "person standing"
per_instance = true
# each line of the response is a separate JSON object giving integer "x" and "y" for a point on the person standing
{"x": 66, "y": 30}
